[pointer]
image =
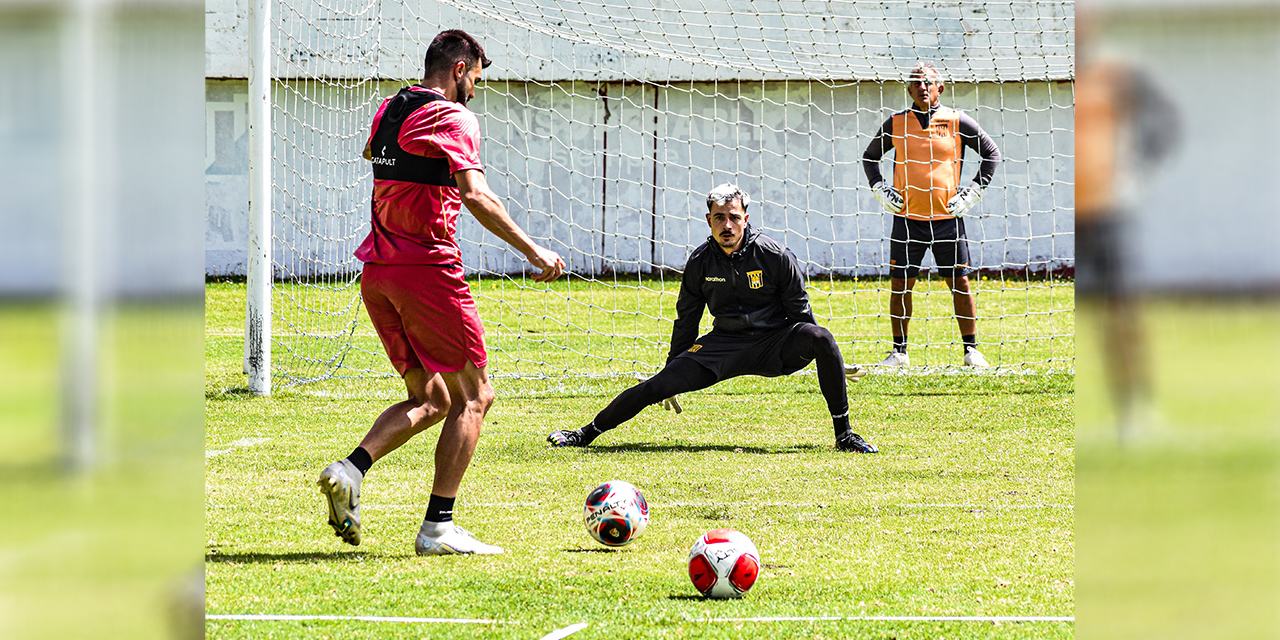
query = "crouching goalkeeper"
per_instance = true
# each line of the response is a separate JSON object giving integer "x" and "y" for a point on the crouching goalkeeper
{"x": 763, "y": 326}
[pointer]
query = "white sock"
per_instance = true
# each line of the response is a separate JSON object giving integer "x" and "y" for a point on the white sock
{"x": 434, "y": 529}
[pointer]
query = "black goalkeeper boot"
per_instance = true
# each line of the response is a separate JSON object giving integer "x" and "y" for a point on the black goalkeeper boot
{"x": 851, "y": 441}
{"x": 574, "y": 437}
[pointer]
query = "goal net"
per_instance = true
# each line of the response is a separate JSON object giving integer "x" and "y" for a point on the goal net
{"x": 606, "y": 122}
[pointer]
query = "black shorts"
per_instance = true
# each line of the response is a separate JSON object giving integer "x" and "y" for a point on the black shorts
{"x": 730, "y": 355}
{"x": 1099, "y": 258}
{"x": 910, "y": 239}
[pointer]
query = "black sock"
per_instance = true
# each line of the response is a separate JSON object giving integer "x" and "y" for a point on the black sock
{"x": 841, "y": 424}
{"x": 361, "y": 459}
{"x": 440, "y": 509}
{"x": 590, "y": 433}
{"x": 900, "y": 344}
{"x": 970, "y": 342}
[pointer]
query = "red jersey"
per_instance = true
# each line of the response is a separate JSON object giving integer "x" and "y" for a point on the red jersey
{"x": 415, "y": 222}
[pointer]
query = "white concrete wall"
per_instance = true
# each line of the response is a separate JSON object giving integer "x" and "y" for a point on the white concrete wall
{"x": 1208, "y": 219}
{"x": 134, "y": 97}
{"x": 30, "y": 257}
{"x": 226, "y": 176}
{"x": 668, "y": 39}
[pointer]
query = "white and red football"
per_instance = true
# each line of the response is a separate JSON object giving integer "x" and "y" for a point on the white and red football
{"x": 723, "y": 563}
{"x": 615, "y": 513}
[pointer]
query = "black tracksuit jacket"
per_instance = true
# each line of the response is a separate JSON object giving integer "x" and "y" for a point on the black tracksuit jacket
{"x": 758, "y": 288}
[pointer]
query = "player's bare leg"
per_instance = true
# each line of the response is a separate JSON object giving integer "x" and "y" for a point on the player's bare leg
{"x": 340, "y": 482}
{"x": 900, "y": 304}
{"x": 470, "y": 398}
{"x": 428, "y": 404}
{"x": 965, "y": 306}
{"x": 966, "y": 310}
{"x": 900, "y": 308}
{"x": 1126, "y": 364}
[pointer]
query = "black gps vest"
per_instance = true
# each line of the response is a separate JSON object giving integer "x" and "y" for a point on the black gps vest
{"x": 390, "y": 162}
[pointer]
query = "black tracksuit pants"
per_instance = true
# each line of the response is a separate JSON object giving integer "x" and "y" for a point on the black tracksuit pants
{"x": 722, "y": 357}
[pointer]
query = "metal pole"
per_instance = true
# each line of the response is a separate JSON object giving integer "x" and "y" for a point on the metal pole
{"x": 80, "y": 360}
{"x": 258, "y": 297}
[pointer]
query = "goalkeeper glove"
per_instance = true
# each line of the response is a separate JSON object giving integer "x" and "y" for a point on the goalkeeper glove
{"x": 889, "y": 198}
{"x": 670, "y": 404}
{"x": 964, "y": 199}
{"x": 854, "y": 372}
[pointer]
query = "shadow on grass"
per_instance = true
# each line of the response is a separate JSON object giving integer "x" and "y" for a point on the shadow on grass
{"x": 650, "y": 447}
{"x": 230, "y": 391}
{"x": 688, "y": 597}
{"x": 46, "y": 472}
{"x": 591, "y": 550}
{"x": 932, "y": 475}
{"x": 310, "y": 557}
{"x": 1037, "y": 391}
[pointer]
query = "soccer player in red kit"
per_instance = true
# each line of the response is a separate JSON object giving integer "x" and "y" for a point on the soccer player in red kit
{"x": 425, "y": 150}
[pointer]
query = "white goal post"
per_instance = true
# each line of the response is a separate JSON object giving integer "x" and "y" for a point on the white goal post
{"x": 604, "y": 124}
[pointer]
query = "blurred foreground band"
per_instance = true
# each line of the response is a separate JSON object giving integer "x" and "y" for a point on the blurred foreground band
{"x": 1177, "y": 276}
{"x": 101, "y": 318}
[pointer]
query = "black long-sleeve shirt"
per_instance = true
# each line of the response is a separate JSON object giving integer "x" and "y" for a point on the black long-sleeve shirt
{"x": 758, "y": 288}
{"x": 971, "y": 135}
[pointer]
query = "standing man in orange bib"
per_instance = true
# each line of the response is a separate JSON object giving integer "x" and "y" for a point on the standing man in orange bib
{"x": 926, "y": 199}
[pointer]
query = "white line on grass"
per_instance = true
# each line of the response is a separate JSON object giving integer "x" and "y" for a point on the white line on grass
{"x": 393, "y": 507}
{"x": 662, "y": 505}
{"x": 827, "y": 504}
{"x": 242, "y": 442}
{"x": 773, "y": 619}
{"x": 293, "y": 618}
{"x": 574, "y": 628}
{"x": 965, "y": 618}
{"x": 985, "y": 506}
{"x": 565, "y": 632}
{"x": 897, "y": 619}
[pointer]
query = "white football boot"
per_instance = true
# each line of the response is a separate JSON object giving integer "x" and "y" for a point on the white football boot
{"x": 854, "y": 372}
{"x": 340, "y": 483}
{"x": 895, "y": 359}
{"x": 447, "y": 538}
{"x": 974, "y": 358}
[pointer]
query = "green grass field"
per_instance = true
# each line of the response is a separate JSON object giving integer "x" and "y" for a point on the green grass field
{"x": 105, "y": 552}
{"x": 1177, "y": 529}
{"x": 967, "y": 511}
{"x": 560, "y": 338}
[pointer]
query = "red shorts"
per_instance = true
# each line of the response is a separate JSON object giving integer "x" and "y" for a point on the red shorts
{"x": 425, "y": 316}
